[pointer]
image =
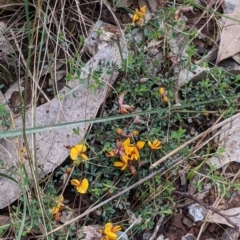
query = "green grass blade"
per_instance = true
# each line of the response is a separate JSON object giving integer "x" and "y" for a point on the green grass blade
{"x": 19, "y": 132}
{"x": 6, "y": 176}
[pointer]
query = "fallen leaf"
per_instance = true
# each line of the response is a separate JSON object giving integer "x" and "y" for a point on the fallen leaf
{"x": 228, "y": 144}
{"x": 230, "y": 36}
{"x": 233, "y": 214}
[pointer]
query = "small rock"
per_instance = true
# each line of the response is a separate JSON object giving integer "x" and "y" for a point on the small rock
{"x": 122, "y": 235}
{"x": 90, "y": 232}
{"x": 186, "y": 221}
{"x": 66, "y": 216}
{"x": 197, "y": 212}
{"x": 161, "y": 237}
{"x": 230, "y": 6}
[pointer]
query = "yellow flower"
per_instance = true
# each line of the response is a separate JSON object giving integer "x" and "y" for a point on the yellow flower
{"x": 141, "y": 12}
{"x": 119, "y": 131}
{"x": 133, "y": 153}
{"x": 110, "y": 231}
{"x": 59, "y": 206}
{"x": 126, "y": 142}
{"x": 155, "y": 145}
{"x": 138, "y": 15}
{"x": 135, "y": 133}
{"x": 135, "y": 18}
{"x": 68, "y": 170}
{"x": 165, "y": 99}
{"x": 161, "y": 91}
{"x": 82, "y": 186}
{"x": 78, "y": 150}
{"x": 124, "y": 157}
{"x": 140, "y": 145}
{"x": 128, "y": 152}
{"x": 123, "y": 164}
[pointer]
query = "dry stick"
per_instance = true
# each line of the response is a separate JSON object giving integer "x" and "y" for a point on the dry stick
{"x": 25, "y": 65}
{"x": 209, "y": 5}
{"x": 187, "y": 195}
{"x": 159, "y": 222}
{"x": 213, "y": 128}
{"x": 91, "y": 209}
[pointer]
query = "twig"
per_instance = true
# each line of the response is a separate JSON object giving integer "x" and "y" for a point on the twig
{"x": 187, "y": 195}
{"x": 91, "y": 209}
{"x": 131, "y": 226}
{"x": 25, "y": 65}
{"x": 159, "y": 222}
{"x": 213, "y": 128}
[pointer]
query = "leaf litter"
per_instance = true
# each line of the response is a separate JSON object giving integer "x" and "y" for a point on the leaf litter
{"x": 55, "y": 107}
{"x": 230, "y": 35}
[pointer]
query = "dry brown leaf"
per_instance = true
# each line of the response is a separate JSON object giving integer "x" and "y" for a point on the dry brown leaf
{"x": 233, "y": 214}
{"x": 230, "y": 36}
{"x": 229, "y": 140}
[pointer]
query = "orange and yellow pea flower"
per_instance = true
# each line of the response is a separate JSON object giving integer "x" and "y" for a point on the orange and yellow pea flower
{"x": 140, "y": 145}
{"x": 165, "y": 98}
{"x": 78, "y": 151}
{"x": 119, "y": 131}
{"x": 124, "y": 157}
{"x": 130, "y": 150}
{"x": 110, "y": 231}
{"x": 133, "y": 153}
{"x": 135, "y": 133}
{"x": 127, "y": 152}
{"x": 161, "y": 91}
{"x": 156, "y": 144}
{"x": 139, "y": 15}
{"x": 124, "y": 134}
{"x": 123, "y": 164}
{"x": 81, "y": 186}
{"x": 59, "y": 206}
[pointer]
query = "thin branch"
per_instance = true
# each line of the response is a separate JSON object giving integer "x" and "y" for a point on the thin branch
{"x": 25, "y": 65}
{"x": 159, "y": 222}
